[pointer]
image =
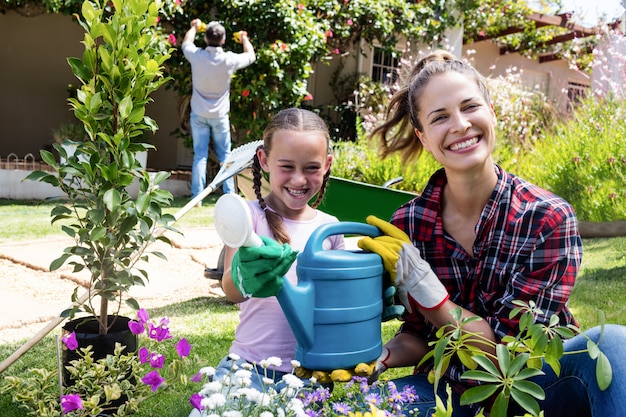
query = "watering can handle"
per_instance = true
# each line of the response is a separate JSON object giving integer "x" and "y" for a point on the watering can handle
{"x": 314, "y": 244}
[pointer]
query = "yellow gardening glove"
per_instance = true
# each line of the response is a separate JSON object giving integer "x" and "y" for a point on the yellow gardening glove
{"x": 337, "y": 375}
{"x": 410, "y": 274}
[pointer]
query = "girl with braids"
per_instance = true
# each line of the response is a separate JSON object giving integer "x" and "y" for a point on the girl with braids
{"x": 296, "y": 155}
{"x": 479, "y": 238}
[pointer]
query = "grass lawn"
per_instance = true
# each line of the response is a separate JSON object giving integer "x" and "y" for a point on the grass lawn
{"x": 209, "y": 323}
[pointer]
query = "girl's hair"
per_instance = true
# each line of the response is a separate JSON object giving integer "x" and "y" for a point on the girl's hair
{"x": 293, "y": 119}
{"x": 397, "y": 132}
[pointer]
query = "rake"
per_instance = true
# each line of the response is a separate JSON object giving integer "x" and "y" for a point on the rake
{"x": 240, "y": 159}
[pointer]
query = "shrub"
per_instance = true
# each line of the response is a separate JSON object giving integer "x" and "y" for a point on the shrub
{"x": 584, "y": 160}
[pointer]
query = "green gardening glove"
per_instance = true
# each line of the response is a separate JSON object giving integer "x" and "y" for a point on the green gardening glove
{"x": 258, "y": 271}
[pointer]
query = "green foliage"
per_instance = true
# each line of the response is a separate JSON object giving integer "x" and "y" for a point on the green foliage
{"x": 122, "y": 65}
{"x": 583, "y": 160}
{"x": 505, "y": 374}
{"x": 361, "y": 161}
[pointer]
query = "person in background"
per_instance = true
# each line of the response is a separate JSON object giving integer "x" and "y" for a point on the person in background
{"x": 211, "y": 72}
{"x": 479, "y": 238}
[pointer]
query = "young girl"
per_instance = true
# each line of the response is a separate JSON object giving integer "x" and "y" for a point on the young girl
{"x": 480, "y": 238}
{"x": 296, "y": 155}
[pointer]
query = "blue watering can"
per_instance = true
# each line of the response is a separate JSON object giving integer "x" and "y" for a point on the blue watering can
{"x": 335, "y": 311}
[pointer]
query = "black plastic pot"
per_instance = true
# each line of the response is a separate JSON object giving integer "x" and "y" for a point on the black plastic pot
{"x": 86, "y": 330}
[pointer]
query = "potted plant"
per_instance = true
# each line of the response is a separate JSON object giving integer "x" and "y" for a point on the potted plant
{"x": 122, "y": 65}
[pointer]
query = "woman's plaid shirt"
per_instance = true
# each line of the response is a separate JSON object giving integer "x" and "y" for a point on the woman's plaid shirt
{"x": 527, "y": 248}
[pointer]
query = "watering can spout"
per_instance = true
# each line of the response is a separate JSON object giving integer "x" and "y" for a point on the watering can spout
{"x": 298, "y": 304}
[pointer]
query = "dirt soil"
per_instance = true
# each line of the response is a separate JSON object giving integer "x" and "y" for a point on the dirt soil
{"x": 31, "y": 296}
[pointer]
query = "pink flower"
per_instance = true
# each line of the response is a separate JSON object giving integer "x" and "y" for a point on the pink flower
{"x": 70, "y": 403}
{"x": 183, "y": 347}
{"x": 245, "y": 93}
{"x": 144, "y": 355}
{"x": 153, "y": 379}
{"x": 159, "y": 333}
{"x": 197, "y": 377}
{"x": 196, "y": 401}
{"x": 350, "y": 22}
{"x": 143, "y": 316}
{"x": 157, "y": 360}
{"x": 171, "y": 39}
{"x": 329, "y": 33}
{"x": 136, "y": 327}
{"x": 308, "y": 97}
{"x": 336, "y": 51}
{"x": 70, "y": 341}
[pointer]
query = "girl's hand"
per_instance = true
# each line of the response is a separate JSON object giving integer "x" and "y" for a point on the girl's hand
{"x": 258, "y": 271}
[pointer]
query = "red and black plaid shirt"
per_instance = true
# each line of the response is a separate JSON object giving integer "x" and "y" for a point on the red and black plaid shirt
{"x": 527, "y": 248}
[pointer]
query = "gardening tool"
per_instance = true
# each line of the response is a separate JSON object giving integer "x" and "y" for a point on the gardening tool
{"x": 239, "y": 159}
{"x": 335, "y": 310}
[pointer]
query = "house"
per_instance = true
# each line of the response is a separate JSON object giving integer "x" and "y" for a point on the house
{"x": 35, "y": 77}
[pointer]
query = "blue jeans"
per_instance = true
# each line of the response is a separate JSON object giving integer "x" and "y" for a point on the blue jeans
{"x": 202, "y": 129}
{"x": 575, "y": 393}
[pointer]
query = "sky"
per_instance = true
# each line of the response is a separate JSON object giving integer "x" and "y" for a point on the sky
{"x": 587, "y": 12}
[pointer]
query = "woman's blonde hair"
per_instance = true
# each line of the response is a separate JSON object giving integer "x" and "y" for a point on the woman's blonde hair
{"x": 397, "y": 132}
{"x": 293, "y": 119}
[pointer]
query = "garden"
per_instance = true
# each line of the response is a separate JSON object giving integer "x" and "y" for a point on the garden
{"x": 581, "y": 157}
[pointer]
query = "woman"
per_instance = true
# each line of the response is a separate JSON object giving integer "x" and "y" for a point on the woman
{"x": 480, "y": 238}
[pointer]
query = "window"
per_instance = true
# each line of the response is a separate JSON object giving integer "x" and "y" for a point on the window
{"x": 384, "y": 67}
{"x": 575, "y": 93}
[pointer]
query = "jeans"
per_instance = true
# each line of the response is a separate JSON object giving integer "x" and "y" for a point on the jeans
{"x": 575, "y": 393}
{"x": 202, "y": 129}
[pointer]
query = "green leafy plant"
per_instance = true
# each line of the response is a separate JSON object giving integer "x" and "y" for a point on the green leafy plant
{"x": 112, "y": 227}
{"x": 583, "y": 159}
{"x": 116, "y": 384}
{"x": 505, "y": 375}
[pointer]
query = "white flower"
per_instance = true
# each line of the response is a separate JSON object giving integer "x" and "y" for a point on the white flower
{"x": 213, "y": 401}
{"x": 267, "y": 381}
{"x": 242, "y": 378}
{"x": 234, "y": 356}
{"x": 207, "y": 370}
{"x": 292, "y": 381}
{"x": 266, "y": 414}
{"x": 210, "y": 388}
{"x": 232, "y": 413}
{"x": 250, "y": 393}
{"x": 297, "y": 407}
{"x": 247, "y": 366}
{"x": 295, "y": 364}
{"x": 271, "y": 361}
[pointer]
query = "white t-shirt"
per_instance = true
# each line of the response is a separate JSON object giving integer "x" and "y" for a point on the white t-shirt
{"x": 263, "y": 330}
{"x": 211, "y": 72}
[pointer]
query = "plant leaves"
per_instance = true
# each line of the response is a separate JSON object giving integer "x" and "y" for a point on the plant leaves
{"x": 112, "y": 199}
{"x": 526, "y": 401}
{"x": 477, "y": 394}
{"x": 604, "y": 372}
